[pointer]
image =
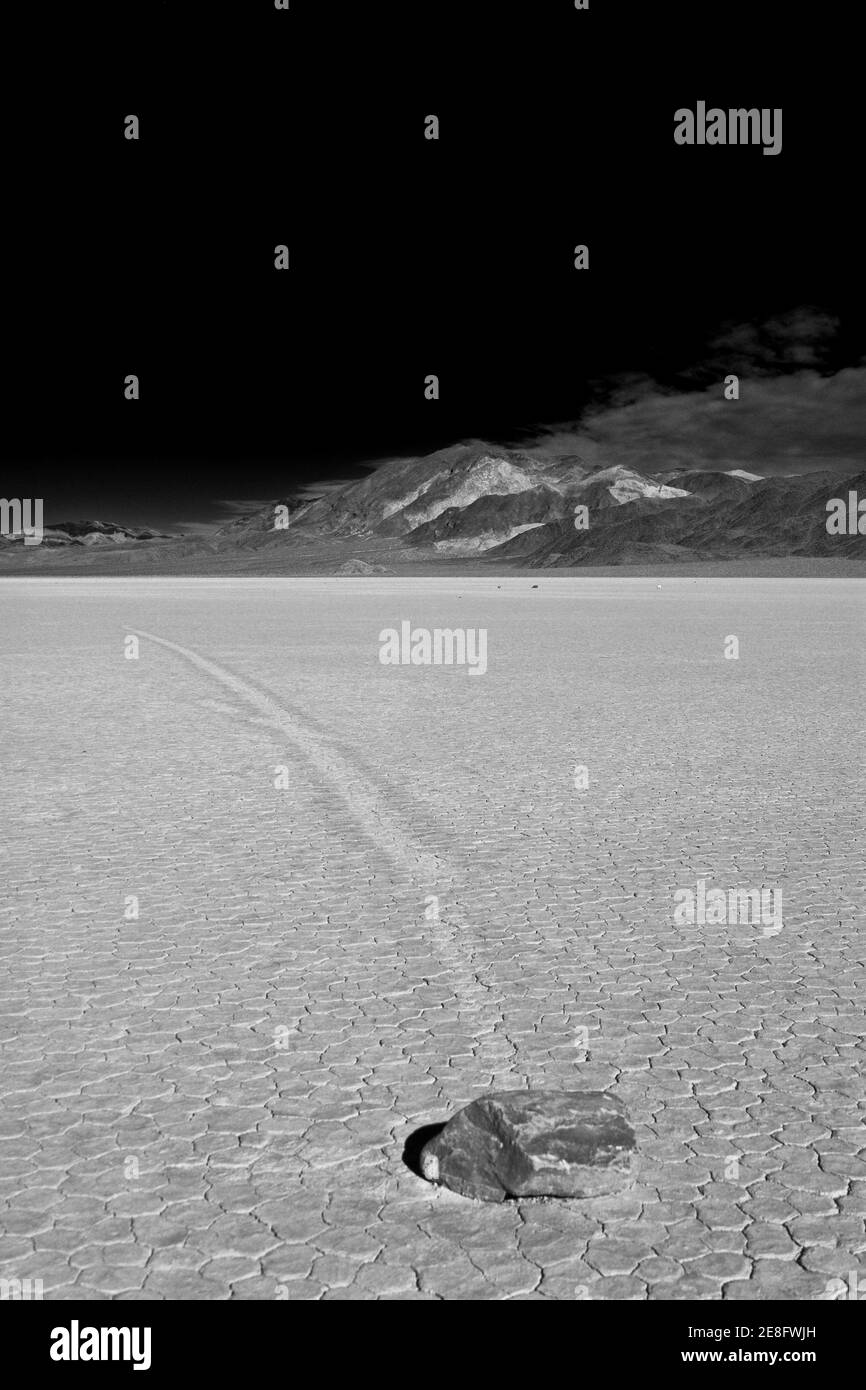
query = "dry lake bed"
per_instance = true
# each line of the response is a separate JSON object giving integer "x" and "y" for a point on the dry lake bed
{"x": 271, "y": 906}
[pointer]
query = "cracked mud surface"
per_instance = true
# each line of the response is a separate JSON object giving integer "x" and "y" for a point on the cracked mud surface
{"x": 211, "y": 1100}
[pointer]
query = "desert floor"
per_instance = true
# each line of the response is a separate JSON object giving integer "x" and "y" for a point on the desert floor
{"x": 211, "y": 1099}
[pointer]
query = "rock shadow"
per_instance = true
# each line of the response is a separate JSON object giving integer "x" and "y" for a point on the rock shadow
{"x": 415, "y": 1143}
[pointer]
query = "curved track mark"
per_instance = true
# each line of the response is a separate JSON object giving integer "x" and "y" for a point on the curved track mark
{"x": 450, "y": 926}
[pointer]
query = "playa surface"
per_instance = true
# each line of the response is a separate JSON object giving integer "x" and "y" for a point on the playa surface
{"x": 366, "y": 894}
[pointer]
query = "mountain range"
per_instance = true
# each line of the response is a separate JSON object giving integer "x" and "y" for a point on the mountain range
{"x": 480, "y": 501}
{"x": 485, "y": 505}
{"x": 88, "y": 533}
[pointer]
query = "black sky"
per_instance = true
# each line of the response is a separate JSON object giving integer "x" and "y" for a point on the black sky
{"x": 408, "y": 256}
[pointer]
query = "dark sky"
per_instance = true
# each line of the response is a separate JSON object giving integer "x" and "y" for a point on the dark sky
{"x": 407, "y": 256}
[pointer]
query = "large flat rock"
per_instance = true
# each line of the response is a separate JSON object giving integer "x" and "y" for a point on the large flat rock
{"x": 534, "y": 1144}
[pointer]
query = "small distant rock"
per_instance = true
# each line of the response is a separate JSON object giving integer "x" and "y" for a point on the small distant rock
{"x": 535, "y": 1144}
{"x": 358, "y": 567}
